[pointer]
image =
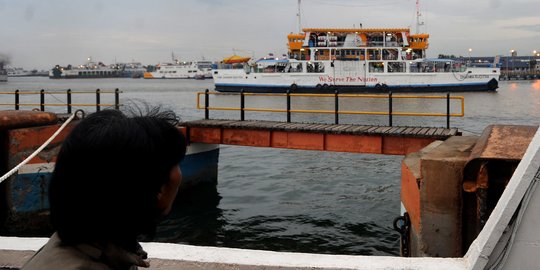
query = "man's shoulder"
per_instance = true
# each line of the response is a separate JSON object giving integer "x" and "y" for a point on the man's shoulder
{"x": 56, "y": 255}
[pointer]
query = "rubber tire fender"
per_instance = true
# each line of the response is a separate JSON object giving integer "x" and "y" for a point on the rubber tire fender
{"x": 493, "y": 84}
{"x": 294, "y": 87}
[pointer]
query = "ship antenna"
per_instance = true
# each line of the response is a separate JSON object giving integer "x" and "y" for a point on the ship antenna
{"x": 299, "y": 16}
{"x": 418, "y": 15}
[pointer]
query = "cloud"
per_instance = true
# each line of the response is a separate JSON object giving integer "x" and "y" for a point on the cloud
{"x": 494, "y": 4}
{"x": 63, "y": 31}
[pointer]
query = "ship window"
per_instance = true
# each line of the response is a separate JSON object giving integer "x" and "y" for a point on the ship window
{"x": 294, "y": 68}
{"x": 315, "y": 67}
{"x": 374, "y": 54}
{"x": 362, "y": 54}
{"x": 458, "y": 67}
{"x": 390, "y": 54}
{"x": 376, "y": 67}
{"x": 418, "y": 67}
{"x": 394, "y": 67}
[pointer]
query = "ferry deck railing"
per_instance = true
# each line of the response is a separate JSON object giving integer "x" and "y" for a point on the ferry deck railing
{"x": 69, "y": 104}
{"x": 336, "y": 111}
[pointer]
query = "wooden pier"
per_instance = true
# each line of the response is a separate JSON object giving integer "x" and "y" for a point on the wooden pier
{"x": 323, "y": 137}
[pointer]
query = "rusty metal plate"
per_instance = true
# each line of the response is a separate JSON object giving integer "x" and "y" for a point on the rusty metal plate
{"x": 505, "y": 142}
{"x": 11, "y": 119}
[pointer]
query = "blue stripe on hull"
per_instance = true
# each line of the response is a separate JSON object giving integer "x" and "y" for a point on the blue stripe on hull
{"x": 490, "y": 86}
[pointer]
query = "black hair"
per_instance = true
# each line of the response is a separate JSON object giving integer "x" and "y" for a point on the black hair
{"x": 108, "y": 174}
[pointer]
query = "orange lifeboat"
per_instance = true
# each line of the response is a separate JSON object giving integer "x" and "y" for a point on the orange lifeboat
{"x": 235, "y": 59}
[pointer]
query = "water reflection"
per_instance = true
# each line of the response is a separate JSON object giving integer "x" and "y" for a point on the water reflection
{"x": 536, "y": 85}
{"x": 194, "y": 218}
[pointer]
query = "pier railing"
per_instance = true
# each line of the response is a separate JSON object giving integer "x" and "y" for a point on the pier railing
{"x": 68, "y": 99}
{"x": 390, "y": 97}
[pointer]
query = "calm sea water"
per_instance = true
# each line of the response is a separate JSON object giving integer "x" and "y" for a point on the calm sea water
{"x": 290, "y": 200}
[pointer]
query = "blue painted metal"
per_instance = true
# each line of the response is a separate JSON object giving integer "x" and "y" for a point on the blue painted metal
{"x": 29, "y": 192}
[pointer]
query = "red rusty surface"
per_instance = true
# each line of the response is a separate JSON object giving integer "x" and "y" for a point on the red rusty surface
{"x": 410, "y": 195}
{"x": 24, "y": 141}
{"x": 354, "y": 143}
{"x": 246, "y": 137}
{"x": 279, "y": 139}
{"x": 508, "y": 142}
{"x": 18, "y": 119}
{"x": 404, "y": 145}
{"x": 305, "y": 141}
{"x": 497, "y": 142}
{"x": 372, "y": 144}
{"x": 205, "y": 135}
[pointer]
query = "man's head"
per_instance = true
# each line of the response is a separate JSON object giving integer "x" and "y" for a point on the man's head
{"x": 112, "y": 173}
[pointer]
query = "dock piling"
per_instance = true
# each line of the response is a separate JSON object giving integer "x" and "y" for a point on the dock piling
{"x": 117, "y": 99}
{"x": 242, "y": 104}
{"x": 288, "y": 105}
{"x": 206, "y": 103}
{"x": 17, "y": 99}
{"x": 98, "y": 106}
{"x": 68, "y": 93}
{"x": 42, "y": 100}
{"x": 448, "y": 110}
{"x": 390, "y": 108}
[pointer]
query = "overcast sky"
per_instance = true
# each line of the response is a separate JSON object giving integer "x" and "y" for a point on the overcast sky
{"x": 42, "y": 33}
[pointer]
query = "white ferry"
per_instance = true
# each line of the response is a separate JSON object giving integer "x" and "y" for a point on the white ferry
{"x": 356, "y": 60}
{"x": 181, "y": 70}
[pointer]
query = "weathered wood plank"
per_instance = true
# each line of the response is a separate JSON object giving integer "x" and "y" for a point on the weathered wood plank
{"x": 324, "y": 128}
{"x": 423, "y": 131}
{"x": 361, "y": 129}
{"x": 438, "y": 132}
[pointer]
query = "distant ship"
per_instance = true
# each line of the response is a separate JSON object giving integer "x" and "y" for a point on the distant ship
{"x": 98, "y": 70}
{"x": 181, "y": 70}
{"x": 20, "y": 72}
{"x": 3, "y": 73}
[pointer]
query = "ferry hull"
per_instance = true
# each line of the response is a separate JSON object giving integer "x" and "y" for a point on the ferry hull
{"x": 492, "y": 85}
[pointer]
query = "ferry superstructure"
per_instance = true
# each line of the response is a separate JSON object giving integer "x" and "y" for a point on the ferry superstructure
{"x": 356, "y": 60}
{"x": 181, "y": 70}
